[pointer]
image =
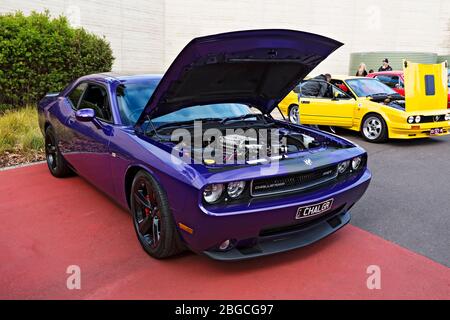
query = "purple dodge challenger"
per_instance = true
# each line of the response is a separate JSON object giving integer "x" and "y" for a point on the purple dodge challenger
{"x": 189, "y": 154}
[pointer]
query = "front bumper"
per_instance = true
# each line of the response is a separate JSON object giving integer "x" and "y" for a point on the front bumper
{"x": 290, "y": 240}
{"x": 248, "y": 229}
{"x": 411, "y": 132}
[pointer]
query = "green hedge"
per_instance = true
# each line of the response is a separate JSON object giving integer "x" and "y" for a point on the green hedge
{"x": 39, "y": 54}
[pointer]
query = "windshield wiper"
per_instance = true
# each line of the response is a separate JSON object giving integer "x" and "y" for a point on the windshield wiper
{"x": 395, "y": 95}
{"x": 243, "y": 117}
{"x": 378, "y": 94}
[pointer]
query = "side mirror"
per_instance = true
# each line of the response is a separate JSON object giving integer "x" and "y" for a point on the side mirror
{"x": 85, "y": 115}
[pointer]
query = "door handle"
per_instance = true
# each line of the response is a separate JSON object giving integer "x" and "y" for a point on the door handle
{"x": 305, "y": 102}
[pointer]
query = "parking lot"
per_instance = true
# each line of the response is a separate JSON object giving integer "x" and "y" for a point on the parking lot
{"x": 400, "y": 225}
{"x": 408, "y": 201}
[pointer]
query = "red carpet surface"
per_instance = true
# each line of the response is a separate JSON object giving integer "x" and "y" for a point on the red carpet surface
{"x": 48, "y": 224}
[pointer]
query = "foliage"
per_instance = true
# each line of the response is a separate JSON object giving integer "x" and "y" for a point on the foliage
{"x": 39, "y": 54}
{"x": 19, "y": 131}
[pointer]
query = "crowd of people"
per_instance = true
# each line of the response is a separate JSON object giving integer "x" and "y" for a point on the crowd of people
{"x": 318, "y": 86}
{"x": 362, "y": 69}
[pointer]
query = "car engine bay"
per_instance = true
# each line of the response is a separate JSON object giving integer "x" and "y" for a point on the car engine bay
{"x": 395, "y": 101}
{"x": 242, "y": 142}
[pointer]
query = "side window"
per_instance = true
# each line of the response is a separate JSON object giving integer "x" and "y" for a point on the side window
{"x": 395, "y": 80}
{"x": 338, "y": 93}
{"x": 313, "y": 88}
{"x": 96, "y": 98}
{"x": 390, "y": 81}
{"x": 75, "y": 95}
{"x": 383, "y": 79}
{"x": 342, "y": 89}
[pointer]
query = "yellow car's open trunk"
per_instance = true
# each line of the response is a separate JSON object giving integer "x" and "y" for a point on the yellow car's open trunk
{"x": 425, "y": 86}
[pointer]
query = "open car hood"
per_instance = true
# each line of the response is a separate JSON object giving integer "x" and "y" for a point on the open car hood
{"x": 256, "y": 67}
{"x": 426, "y": 86}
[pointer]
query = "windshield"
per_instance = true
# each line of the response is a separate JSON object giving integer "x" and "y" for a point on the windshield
{"x": 368, "y": 87}
{"x": 211, "y": 111}
{"x": 132, "y": 98}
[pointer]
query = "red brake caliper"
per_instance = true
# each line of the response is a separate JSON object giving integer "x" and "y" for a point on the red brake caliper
{"x": 146, "y": 209}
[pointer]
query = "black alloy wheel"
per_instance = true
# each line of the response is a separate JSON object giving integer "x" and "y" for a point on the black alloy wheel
{"x": 153, "y": 222}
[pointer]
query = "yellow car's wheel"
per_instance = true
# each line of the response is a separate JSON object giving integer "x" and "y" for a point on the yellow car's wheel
{"x": 293, "y": 114}
{"x": 374, "y": 128}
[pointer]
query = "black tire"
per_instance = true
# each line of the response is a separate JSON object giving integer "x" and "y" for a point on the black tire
{"x": 293, "y": 113}
{"x": 374, "y": 128}
{"x": 55, "y": 161}
{"x": 152, "y": 218}
{"x": 330, "y": 129}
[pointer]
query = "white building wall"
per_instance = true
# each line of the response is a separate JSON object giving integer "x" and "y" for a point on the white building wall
{"x": 134, "y": 29}
{"x": 147, "y": 35}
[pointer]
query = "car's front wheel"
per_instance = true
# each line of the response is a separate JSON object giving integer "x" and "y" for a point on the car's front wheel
{"x": 55, "y": 161}
{"x": 152, "y": 217}
{"x": 293, "y": 114}
{"x": 328, "y": 129}
{"x": 374, "y": 128}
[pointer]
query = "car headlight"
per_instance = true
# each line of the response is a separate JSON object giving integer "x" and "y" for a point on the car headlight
{"x": 343, "y": 166}
{"x": 410, "y": 119}
{"x": 447, "y": 117}
{"x": 356, "y": 162}
{"x": 235, "y": 189}
{"x": 417, "y": 119}
{"x": 212, "y": 192}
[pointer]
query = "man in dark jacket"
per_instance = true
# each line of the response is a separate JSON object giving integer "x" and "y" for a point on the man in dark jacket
{"x": 385, "y": 66}
{"x": 316, "y": 87}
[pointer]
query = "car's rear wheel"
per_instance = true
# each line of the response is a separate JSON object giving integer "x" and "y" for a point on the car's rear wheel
{"x": 55, "y": 161}
{"x": 374, "y": 128}
{"x": 293, "y": 114}
{"x": 152, "y": 217}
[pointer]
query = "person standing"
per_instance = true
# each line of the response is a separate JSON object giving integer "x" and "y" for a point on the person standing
{"x": 385, "y": 66}
{"x": 361, "y": 72}
{"x": 316, "y": 87}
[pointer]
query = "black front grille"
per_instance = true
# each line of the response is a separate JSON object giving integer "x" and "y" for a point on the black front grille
{"x": 293, "y": 182}
{"x": 436, "y": 118}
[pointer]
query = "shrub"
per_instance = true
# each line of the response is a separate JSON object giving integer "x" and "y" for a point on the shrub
{"x": 39, "y": 54}
{"x": 19, "y": 131}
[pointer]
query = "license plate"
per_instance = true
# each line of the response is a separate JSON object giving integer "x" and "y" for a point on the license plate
{"x": 434, "y": 132}
{"x": 314, "y": 210}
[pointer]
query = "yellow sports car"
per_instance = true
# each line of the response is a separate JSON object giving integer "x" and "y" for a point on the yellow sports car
{"x": 378, "y": 112}
{"x": 289, "y": 106}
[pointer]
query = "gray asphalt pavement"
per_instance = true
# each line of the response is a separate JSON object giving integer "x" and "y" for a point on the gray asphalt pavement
{"x": 408, "y": 201}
